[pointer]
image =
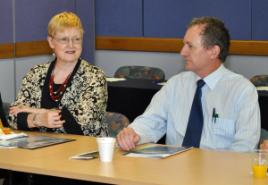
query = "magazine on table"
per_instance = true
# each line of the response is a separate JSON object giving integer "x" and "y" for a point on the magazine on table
{"x": 156, "y": 151}
{"x": 12, "y": 136}
{"x": 32, "y": 142}
{"x": 86, "y": 155}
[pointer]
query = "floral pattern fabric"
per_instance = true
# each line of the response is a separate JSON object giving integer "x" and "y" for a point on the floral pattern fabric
{"x": 85, "y": 98}
{"x": 260, "y": 80}
{"x": 116, "y": 122}
{"x": 140, "y": 72}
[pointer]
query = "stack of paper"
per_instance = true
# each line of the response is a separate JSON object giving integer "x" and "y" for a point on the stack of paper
{"x": 12, "y": 136}
{"x": 115, "y": 79}
{"x": 32, "y": 142}
{"x": 262, "y": 88}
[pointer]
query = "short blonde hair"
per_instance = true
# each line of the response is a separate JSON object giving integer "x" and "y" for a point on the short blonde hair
{"x": 64, "y": 20}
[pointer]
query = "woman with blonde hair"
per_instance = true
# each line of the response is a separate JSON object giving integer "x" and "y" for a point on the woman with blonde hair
{"x": 67, "y": 95}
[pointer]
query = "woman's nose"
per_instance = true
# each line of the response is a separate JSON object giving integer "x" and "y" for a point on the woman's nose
{"x": 70, "y": 42}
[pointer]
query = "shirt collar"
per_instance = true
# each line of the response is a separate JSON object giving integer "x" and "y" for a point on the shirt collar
{"x": 213, "y": 78}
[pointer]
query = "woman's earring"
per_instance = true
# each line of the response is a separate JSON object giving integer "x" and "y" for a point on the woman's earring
{"x": 53, "y": 55}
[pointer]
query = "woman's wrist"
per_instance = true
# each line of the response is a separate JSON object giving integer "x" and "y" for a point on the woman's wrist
{"x": 33, "y": 120}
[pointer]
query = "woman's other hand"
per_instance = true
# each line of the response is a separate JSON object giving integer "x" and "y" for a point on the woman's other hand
{"x": 14, "y": 110}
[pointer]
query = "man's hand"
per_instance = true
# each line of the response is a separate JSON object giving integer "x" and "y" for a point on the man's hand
{"x": 127, "y": 139}
{"x": 264, "y": 145}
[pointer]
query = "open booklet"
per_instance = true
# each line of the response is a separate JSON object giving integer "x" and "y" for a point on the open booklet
{"x": 32, "y": 142}
{"x": 86, "y": 155}
{"x": 156, "y": 151}
{"x": 12, "y": 136}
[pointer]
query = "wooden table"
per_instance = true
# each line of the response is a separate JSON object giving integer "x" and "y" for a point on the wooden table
{"x": 194, "y": 167}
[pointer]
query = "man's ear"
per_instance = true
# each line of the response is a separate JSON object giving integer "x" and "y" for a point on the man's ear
{"x": 49, "y": 40}
{"x": 215, "y": 51}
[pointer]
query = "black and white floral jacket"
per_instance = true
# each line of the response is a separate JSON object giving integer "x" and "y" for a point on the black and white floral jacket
{"x": 84, "y": 100}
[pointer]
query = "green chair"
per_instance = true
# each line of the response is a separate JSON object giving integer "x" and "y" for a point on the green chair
{"x": 264, "y": 134}
{"x": 116, "y": 122}
{"x": 140, "y": 72}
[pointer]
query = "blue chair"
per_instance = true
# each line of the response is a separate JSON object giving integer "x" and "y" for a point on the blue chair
{"x": 140, "y": 72}
{"x": 116, "y": 122}
{"x": 260, "y": 80}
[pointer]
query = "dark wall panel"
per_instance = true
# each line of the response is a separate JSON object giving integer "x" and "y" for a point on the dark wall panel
{"x": 119, "y": 17}
{"x": 259, "y": 20}
{"x": 168, "y": 18}
{"x": 32, "y": 17}
{"x": 85, "y": 10}
{"x": 6, "y": 30}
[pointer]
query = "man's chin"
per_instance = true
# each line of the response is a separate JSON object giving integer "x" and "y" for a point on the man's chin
{"x": 187, "y": 67}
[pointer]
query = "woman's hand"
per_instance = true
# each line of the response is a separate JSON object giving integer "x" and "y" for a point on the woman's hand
{"x": 50, "y": 119}
{"x": 14, "y": 110}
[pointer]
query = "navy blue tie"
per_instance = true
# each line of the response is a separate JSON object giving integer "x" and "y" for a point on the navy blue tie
{"x": 195, "y": 123}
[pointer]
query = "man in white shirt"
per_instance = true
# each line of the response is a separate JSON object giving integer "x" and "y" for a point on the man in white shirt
{"x": 230, "y": 109}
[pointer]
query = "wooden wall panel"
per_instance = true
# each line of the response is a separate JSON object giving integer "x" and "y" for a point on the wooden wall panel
{"x": 24, "y": 49}
{"x": 6, "y": 50}
{"x": 156, "y": 20}
{"x": 238, "y": 47}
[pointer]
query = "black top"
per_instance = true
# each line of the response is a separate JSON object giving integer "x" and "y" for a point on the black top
{"x": 70, "y": 125}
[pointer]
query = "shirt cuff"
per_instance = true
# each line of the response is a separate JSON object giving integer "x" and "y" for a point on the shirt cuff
{"x": 22, "y": 123}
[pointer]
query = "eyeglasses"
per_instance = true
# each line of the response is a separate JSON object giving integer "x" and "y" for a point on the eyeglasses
{"x": 66, "y": 40}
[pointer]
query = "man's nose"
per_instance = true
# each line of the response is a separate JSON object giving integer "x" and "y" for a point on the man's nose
{"x": 183, "y": 51}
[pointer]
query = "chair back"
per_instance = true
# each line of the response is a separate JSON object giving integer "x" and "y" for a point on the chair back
{"x": 116, "y": 122}
{"x": 140, "y": 72}
{"x": 261, "y": 83}
{"x": 260, "y": 80}
{"x": 4, "y": 112}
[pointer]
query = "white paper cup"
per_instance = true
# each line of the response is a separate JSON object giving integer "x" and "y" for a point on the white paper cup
{"x": 106, "y": 148}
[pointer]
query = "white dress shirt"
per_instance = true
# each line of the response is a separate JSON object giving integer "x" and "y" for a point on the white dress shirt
{"x": 233, "y": 97}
